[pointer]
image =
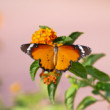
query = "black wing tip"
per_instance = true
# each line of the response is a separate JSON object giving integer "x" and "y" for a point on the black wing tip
{"x": 89, "y": 50}
{"x": 22, "y": 48}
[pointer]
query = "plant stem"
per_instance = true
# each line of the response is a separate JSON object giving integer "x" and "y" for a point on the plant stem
{"x": 99, "y": 91}
{"x": 104, "y": 97}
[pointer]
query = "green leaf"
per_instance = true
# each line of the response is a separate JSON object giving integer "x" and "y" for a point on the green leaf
{"x": 63, "y": 40}
{"x": 52, "y": 88}
{"x": 33, "y": 69}
{"x": 73, "y": 80}
{"x": 97, "y": 73}
{"x": 90, "y": 60}
{"x": 67, "y": 41}
{"x": 70, "y": 95}
{"x": 83, "y": 83}
{"x": 103, "y": 86}
{"x": 96, "y": 92}
{"x": 75, "y": 35}
{"x": 59, "y": 39}
{"x": 86, "y": 102}
{"x": 44, "y": 27}
{"x": 107, "y": 94}
{"x": 78, "y": 69}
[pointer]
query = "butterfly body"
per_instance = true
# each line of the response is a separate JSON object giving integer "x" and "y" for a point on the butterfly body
{"x": 55, "y": 56}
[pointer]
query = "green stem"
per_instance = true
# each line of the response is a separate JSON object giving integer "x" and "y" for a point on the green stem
{"x": 104, "y": 97}
{"x": 99, "y": 91}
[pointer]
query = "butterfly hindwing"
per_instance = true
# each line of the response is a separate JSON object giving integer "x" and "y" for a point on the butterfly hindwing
{"x": 65, "y": 54}
{"x": 45, "y": 53}
{"x": 42, "y": 52}
{"x": 68, "y": 53}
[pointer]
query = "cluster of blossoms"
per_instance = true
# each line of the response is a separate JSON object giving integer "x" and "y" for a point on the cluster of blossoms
{"x": 49, "y": 77}
{"x": 44, "y": 36}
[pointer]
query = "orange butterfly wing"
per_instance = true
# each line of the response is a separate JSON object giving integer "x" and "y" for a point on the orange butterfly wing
{"x": 45, "y": 53}
{"x": 65, "y": 54}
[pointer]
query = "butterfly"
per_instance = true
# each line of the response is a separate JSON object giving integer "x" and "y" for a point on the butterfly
{"x": 55, "y": 57}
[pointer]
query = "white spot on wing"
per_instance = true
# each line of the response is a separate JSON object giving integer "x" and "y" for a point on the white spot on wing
{"x": 29, "y": 48}
{"x": 82, "y": 50}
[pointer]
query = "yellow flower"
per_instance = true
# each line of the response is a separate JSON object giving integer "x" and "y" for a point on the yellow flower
{"x": 44, "y": 36}
{"x": 67, "y": 76}
{"x": 15, "y": 87}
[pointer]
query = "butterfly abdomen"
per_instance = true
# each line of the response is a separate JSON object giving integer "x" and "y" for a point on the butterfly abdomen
{"x": 55, "y": 55}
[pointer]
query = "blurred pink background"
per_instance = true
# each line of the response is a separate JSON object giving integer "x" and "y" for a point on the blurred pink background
{"x": 21, "y": 19}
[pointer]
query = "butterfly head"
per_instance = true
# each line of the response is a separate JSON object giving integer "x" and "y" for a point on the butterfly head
{"x": 57, "y": 45}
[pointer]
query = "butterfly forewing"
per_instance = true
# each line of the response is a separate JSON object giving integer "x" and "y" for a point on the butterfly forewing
{"x": 24, "y": 47}
{"x": 68, "y": 53}
{"x": 41, "y": 52}
{"x": 45, "y": 53}
{"x": 65, "y": 54}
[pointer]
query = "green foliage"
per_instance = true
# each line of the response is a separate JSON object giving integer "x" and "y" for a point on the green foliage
{"x": 107, "y": 94}
{"x": 104, "y": 86}
{"x": 2, "y": 107}
{"x": 95, "y": 91}
{"x": 97, "y": 73}
{"x": 74, "y": 36}
{"x": 27, "y": 99}
{"x": 98, "y": 80}
{"x": 34, "y": 101}
{"x": 44, "y": 27}
{"x": 78, "y": 69}
{"x": 20, "y": 108}
{"x": 82, "y": 70}
{"x": 63, "y": 40}
{"x": 59, "y": 39}
{"x": 52, "y": 89}
{"x": 83, "y": 83}
{"x": 73, "y": 80}
{"x": 68, "y": 40}
{"x": 86, "y": 102}
{"x": 33, "y": 69}
{"x": 90, "y": 60}
{"x": 57, "y": 106}
{"x": 70, "y": 95}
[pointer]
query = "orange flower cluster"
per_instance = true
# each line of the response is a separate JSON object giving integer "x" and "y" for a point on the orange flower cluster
{"x": 49, "y": 77}
{"x": 44, "y": 36}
